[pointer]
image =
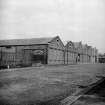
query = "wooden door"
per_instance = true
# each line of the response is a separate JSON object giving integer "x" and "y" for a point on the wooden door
{"x": 27, "y": 59}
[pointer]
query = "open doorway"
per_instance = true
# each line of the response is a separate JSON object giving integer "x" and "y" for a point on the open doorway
{"x": 78, "y": 58}
{"x": 38, "y": 56}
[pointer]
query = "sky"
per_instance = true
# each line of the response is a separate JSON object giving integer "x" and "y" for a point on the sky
{"x": 72, "y": 20}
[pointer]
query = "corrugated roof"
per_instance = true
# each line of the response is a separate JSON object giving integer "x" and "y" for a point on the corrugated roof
{"x": 32, "y": 41}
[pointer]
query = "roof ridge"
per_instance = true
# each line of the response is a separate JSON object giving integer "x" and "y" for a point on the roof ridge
{"x": 27, "y": 41}
{"x": 28, "y": 38}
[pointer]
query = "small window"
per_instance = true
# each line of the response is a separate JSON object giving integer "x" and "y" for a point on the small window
{"x": 57, "y": 40}
{"x": 70, "y": 44}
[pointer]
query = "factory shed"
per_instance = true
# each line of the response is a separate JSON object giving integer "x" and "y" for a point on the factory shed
{"x": 28, "y": 52}
{"x": 70, "y": 53}
{"x": 78, "y": 46}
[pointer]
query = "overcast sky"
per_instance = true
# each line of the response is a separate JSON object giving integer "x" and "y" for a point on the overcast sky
{"x": 75, "y": 20}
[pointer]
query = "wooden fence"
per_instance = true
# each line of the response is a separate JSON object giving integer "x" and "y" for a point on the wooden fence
{"x": 7, "y": 58}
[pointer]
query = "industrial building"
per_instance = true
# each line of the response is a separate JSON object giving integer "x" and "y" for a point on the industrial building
{"x": 28, "y": 52}
{"x": 71, "y": 55}
{"x": 51, "y": 51}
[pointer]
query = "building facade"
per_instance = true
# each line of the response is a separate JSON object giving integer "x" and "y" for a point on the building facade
{"x": 55, "y": 51}
{"x": 101, "y": 58}
{"x": 29, "y": 52}
{"x": 70, "y": 53}
{"x": 85, "y": 53}
{"x": 79, "y": 50}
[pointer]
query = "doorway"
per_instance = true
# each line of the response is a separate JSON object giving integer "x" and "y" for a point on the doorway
{"x": 38, "y": 56}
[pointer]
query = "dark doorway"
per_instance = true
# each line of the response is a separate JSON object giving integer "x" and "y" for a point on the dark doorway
{"x": 38, "y": 56}
{"x": 34, "y": 56}
{"x": 38, "y": 59}
{"x": 78, "y": 57}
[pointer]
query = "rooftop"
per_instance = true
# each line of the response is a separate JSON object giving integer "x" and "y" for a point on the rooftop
{"x": 32, "y": 41}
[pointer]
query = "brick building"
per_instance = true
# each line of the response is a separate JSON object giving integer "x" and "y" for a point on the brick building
{"x": 79, "y": 49}
{"x": 85, "y": 53}
{"x": 70, "y": 53}
{"x": 28, "y": 52}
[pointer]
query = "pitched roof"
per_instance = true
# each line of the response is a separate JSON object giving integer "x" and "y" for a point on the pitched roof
{"x": 32, "y": 41}
{"x": 70, "y": 43}
{"x": 77, "y": 44}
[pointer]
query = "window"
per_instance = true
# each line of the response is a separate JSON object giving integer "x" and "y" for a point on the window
{"x": 57, "y": 42}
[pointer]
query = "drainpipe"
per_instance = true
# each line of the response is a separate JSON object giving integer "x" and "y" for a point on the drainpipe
{"x": 64, "y": 55}
{"x": 67, "y": 54}
{"x": 1, "y": 57}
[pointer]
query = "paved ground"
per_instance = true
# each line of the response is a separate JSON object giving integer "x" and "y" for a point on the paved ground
{"x": 27, "y": 86}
